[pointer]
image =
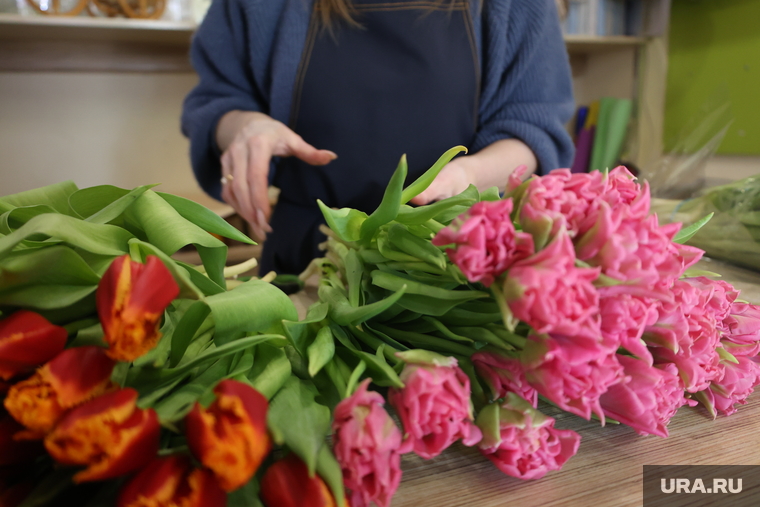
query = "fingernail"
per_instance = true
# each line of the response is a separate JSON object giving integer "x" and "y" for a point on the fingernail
{"x": 262, "y": 219}
{"x": 332, "y": 154}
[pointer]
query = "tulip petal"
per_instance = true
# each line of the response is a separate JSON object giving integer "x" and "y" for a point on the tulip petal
{"x": 27, "y": 340}
{"x": 287, "y": 484}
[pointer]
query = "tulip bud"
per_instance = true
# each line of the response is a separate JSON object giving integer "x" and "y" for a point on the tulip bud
{"x": 27, "y": 340}
{"x": 287, "y": 484}
{"x": 131, "y": 298}
{"x": 230, "y": 436}
{"x": 71, "y": 378}
{"x": 172, "y": 482}
{"x": 109, "y": 435}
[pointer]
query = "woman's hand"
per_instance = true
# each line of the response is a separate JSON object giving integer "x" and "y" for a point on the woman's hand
{"x": 489, "y": 167}
{"x": 248, "y": 141}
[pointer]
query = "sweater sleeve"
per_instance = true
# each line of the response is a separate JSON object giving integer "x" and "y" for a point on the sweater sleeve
{"x": 220, "y": 56}
{"x": 527, "y": 86}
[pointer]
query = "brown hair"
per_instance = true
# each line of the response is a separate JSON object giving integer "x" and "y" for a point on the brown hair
{"x": 332, "y": 11}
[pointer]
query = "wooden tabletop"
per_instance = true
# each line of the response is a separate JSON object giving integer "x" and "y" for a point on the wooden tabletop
{"x": 607, "y": 471}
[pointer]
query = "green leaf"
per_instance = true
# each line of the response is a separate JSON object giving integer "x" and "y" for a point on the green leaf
{"x": 490, "y": 194}
{"x": 421, "y": 214}
{"x": 96, "y": 238}
{"x": 186, "y": 329}
{"x": 299, "y": 422}
{"x": 345, "y": 222}
{"x": 329, "y": 470}
{"x": 188, "y": 288}
{"x": 389, "y": 206}
{"x": 48, "y": 278}
{"x": 427, "y": 178}
{"x": 353, "y": 380}
{"x": 686, "y": 233}
{"x": 17, "y": 217}
{"x": 204, "y": 218}
{"x": 245, "y": 496}
{"x": 354, "y": 272}
{"x": 382, "y": 373}
{"x": 56, "y": 196}
{"x": 166, "y": 229}
{"x": 271, "y": 369}
{"x": 321, "y": 350}
{"x": 177, "y": 405}
{"x": 393, "y": 282}
{"x": 254, "y": 306}
{"x": 344, "y": 314}
{"x": 298, "y": 331}
{"x": 400, "y": 237}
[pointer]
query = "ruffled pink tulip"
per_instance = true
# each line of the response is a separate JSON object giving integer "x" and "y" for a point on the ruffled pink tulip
{"x": 572, "y": 374}
{"x": 737, "y": 383}
{"x": 742, "y": 324}
{"x": 647, "y": 399}
{"x": 690, "y": 336}
{"x": 550, "y": 294}
{"x": 504, "y": 375}
{"x": 486, "y": 241}
{"x": 368, "y": 446}
{"x": 434, "y": 407}
{"x": 523, "y": 442}
{"x": 624, "y": 318}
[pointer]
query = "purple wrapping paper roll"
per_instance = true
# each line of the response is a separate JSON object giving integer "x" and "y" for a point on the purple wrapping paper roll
{"x": 583, "y": 150}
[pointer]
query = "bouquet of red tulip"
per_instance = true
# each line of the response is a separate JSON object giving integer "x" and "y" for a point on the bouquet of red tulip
{"x": 129, "y": 378}
{"x": 472, "y": 308}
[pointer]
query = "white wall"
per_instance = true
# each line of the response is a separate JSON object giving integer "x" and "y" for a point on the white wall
{"x": 116, "y": 128}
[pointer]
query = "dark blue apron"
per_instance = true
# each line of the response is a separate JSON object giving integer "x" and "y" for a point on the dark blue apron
{"x": 407, "y": 82}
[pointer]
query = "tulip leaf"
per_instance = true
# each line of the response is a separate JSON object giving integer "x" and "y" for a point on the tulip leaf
{"x": 254, "y": 306}
{"x": 329, "y": 470}
{"x": 400, "y": 237}
{"x": 490, "y": 194}
{"x": 381, "y": 372}
{"x": 245, "y": 496}
{"x": 421, "y": 214}
{"x": 186, "y": 329}
{"x": 321, "y": 350}
{"x": 424, "y": 181}
{"x": 48, "y": 278}
{"x": 204, "y": 283}
{"x": 204, "y": 218}
{"x": 49, "y": 487}
{"x": 96, "y": 238}
{"x": 17, "y": 217}
{"x": 176, "y": 406}
{"x": 389, "y": 206}
{"x": 393, "y": 282}
{"x": 298, "y": 421}
{"x": 354, "y": 272}
{"x": 344, "y": 314}
{"x": 166, "y": 229}
{"x": 353, "y": 380}
{"x": 687, "y": 233}
{"x": 345, "y": 222}
{"x": 56, "y": 196}
{"x": 271, "y": 369}
{"x": 298, "y": 332}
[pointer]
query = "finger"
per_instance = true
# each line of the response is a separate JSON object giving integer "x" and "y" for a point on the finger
{"x": 257, "y": 232}
{"x": 239, "y": 183}
{"x": 308, "y": 153}
{"x": 227, "y": 195}
{"x": 259, "y": 160}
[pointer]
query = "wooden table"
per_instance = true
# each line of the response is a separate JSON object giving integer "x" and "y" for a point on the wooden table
{"x": 607, "y": 471}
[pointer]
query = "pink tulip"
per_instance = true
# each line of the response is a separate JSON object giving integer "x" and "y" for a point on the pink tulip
{"x": 572, "y": 374}
{"x": 368, "y": 447}
{"x": 522, "y": 442}
{"x": 434, "y": 407}
{"x": 486, "y": 241}
{"x": 624, "y": 318}
{"x": 504, "y": 375}
{"x": 647, "y": 399}
{"x": 550, "y": 294}
{"x": 742, "y": 324}
{"x": 737, "y": 383}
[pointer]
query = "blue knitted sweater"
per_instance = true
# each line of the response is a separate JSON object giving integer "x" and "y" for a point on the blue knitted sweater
{"x": 246, "y": 53}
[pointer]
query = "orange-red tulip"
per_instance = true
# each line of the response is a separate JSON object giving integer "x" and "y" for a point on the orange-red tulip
{"x": 230, "y": 436}
{"x": 131, "y": 298}
{"x": 27, "y": 340}
{"x": 71, "y": 378}
{"x": 172, "y": 482}
{"x": 109, "y": 435}
{"x": 287, "y": 484}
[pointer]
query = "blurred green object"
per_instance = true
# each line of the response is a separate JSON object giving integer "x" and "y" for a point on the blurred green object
{"x": 733, "y": 234}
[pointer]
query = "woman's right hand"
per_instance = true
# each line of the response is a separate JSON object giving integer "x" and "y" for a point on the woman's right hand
{"x": 248, "y": 141}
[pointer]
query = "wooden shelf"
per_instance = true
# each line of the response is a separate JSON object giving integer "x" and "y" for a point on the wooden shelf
{"x": 42, "y": 43}
{"x": 577, "y": 44}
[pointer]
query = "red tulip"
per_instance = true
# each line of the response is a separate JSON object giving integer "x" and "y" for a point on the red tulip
{"x": 71, "y": 378}
{"x": 109, "y": 435}
{"x": 27, "y": 340}
{"x": 172, "y": 482}
{"x": 287, "y": 484}
{"x": 131, "y": 299}
{"x": 230, "y": 436}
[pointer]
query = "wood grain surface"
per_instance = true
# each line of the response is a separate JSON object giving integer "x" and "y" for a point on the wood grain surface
{"x": 607, "y": 471}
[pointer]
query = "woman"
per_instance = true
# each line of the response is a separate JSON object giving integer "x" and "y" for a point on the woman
{"x": 321, "y": 97}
